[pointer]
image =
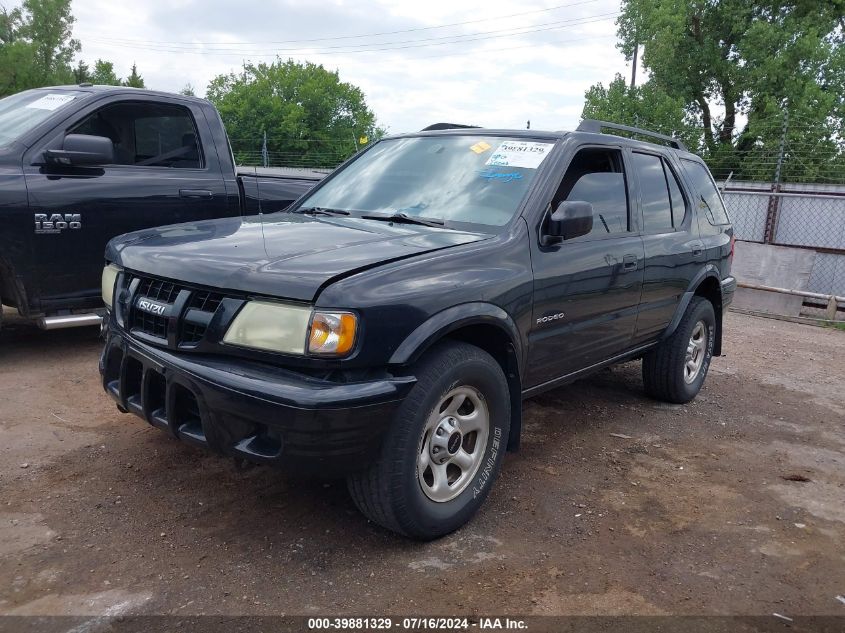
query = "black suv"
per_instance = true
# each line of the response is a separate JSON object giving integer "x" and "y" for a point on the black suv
{"x": 388, "y": 325}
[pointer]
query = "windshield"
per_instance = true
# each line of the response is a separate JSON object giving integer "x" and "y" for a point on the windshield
{"x": 22, "y": 112}
{"x": 466, "y": 179}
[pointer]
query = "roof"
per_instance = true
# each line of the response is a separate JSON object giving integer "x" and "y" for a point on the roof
{"x": 99, "y": 89}
{"x": 594, "y": 135}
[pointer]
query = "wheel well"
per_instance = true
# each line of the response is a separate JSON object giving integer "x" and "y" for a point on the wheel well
{"x": 496, "y": 342}
{"x": 711, "y": 289}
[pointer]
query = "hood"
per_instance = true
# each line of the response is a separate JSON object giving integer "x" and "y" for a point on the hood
{"x": 283, "y": 255}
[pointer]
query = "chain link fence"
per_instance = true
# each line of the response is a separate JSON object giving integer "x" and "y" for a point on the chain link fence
{"x": 806, "y": 216}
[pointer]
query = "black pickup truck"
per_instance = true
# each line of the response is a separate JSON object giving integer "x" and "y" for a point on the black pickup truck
{"x": 388, "y": 325}
{"x": 82, "y": 164}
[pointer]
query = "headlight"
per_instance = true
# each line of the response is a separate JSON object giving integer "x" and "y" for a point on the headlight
{"x": 110, "y": 273}
{"x": 292, "y": 329}
{"x": 276, "y": 327}
{"x": 332, "y": 333}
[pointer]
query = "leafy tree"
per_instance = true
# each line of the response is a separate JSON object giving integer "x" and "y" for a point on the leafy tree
{"x": 188, "y": 91}
{"x": 310, "y": 116}
{"x": 644, "y": 106}
{"x": 134, "y": 80}
{"x": 737, "y": 65}
{"x": 48, "y": 25}
{"x": 104, "y": 74}
{"x": 36, "y": 45}
{"x": 37, "y": 49}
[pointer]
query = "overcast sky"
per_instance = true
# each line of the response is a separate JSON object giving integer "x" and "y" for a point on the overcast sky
{"x": 484, "y": 68}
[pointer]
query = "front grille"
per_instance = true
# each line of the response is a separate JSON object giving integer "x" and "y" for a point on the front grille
{"x": 164, "y": 291}
{"x": 196, "y": 312}
{"x": 205, "y": 301}
{"x": 149, "y": 324}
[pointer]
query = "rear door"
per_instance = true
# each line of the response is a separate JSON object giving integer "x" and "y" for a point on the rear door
{"x": 165, "y": 171}
{"x": 587, "y": 289}
{"x": 713, "y": 221}
{"x": 673, "y": 250}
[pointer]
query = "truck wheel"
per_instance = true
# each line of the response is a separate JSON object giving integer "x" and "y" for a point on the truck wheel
{"x": 444, "y": 446}
{"x": 675, "y": 370}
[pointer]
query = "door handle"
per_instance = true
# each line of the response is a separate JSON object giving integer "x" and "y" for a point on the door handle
{"x": 697, "y": 248}
{"x": 195, "y": 193}
{"x": 629, "y": 262}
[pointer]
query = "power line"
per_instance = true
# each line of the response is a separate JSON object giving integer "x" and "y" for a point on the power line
{"x": 386, "y": 46}
{"x": 342, "y": 37}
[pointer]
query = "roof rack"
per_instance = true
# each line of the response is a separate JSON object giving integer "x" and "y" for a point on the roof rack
{"x": 595, "y": 126}
{"x": 446, "y": 126}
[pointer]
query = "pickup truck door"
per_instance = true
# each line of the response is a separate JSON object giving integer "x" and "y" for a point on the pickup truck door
{"x": 587, "y": 289}
{"x": 166, "y": 171}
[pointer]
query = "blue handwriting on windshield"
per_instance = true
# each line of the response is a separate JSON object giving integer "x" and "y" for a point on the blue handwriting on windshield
{"x": 489, "y": 175}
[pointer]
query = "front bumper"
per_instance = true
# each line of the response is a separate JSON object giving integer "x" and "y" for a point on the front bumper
{"x": 250, "y": 410}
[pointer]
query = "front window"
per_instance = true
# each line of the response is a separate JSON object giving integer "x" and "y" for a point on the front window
{"x": 22, "y": 112}
{"x": 146, "y": 134}
{"x": 455, "y": 179}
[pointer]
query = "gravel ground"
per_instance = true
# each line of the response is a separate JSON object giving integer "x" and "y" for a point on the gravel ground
{"x": 616, "y": 504}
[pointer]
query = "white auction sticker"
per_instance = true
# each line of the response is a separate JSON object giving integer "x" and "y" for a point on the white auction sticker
{"x": 51, "y": 101}
{"x": 527, "y": 154}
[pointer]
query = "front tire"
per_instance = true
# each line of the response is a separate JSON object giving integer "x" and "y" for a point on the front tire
{"x": 675, "y": 370}
{"x": 444, "y": 447}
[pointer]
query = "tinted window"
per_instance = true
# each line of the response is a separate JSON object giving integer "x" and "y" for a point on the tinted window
{"x": 654, "y": 193}
{"x": 709, "y": 202}
{"x": 679, "y": 205}
{"x": 468, "y": 178}
{"x": 596, "y": 176}
{"x": 22, "y": 112}
{"x": 149, "y": 135}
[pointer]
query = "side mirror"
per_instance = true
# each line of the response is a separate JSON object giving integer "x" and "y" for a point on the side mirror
{"x": 81, "y": 149}
{"x": 570, "y": 219}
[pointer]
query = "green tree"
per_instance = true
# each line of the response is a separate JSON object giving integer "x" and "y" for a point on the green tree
{"x": 104, "y": 74}
{"x": 134, "y": 80}
{"x": 81, "y": 73}
{"x": 188, "y": 91}
{"x": 645, "y": 106}
{"x": 736, "y": 65}
{"x": 310, "y": 116}
{"x": 36, "y": 45}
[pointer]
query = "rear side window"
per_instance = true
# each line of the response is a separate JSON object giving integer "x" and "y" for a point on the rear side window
{"x": 654, "y": 194}
{"x": 709, "y": 200}
{"x": 679, "y": 205}
{"x": 596, "y": 176}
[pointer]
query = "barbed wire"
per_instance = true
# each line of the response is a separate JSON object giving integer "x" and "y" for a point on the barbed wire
{"x": 807, "y": 156}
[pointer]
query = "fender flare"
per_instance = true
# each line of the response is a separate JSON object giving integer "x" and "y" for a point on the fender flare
{"x": 708, "y": 271}
{"x": 451, "y": 319}
{"x": 475, "y": 313}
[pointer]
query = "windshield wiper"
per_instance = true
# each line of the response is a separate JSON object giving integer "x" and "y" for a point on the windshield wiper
{"x": 320, "y": 211}
{"x": 400, "y": 216}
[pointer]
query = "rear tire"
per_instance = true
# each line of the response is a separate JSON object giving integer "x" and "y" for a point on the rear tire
{"x": 675, "y": 370}
{"x": 444, "y": 447}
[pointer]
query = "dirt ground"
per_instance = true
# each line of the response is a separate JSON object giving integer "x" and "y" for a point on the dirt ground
{"x": 734, "y": 504}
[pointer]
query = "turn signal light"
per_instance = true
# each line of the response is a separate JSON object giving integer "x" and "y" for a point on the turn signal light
{"x": 332, "y": 333}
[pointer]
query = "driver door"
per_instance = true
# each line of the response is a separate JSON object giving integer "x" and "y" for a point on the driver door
{"x": 160, "y": 176}
{"x": 587, "y": 289}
